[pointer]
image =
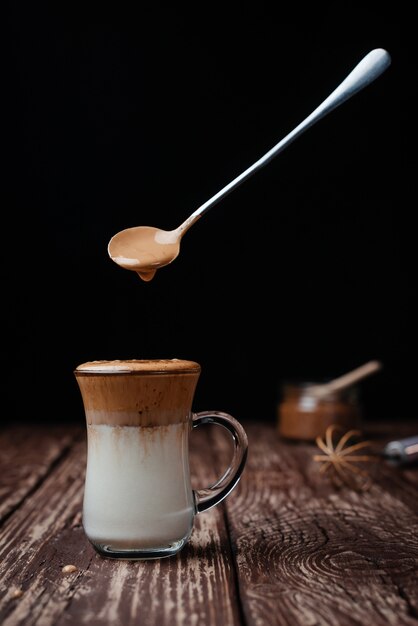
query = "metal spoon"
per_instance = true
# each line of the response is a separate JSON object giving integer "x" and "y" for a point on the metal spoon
{"x": 145, "y": 249}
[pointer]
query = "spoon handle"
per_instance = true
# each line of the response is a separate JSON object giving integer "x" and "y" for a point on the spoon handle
{"x": 346, "y": 380}
{"x": 367, "y": 70}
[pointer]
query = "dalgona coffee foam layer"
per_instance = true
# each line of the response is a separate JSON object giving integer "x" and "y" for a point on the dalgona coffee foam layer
{"x": 137, "y": 392}
{"x": 139, "y": 365}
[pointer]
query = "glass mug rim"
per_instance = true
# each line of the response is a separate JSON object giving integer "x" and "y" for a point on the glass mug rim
{"x": 176, "y": 411}
{"x": 137, "y": 367}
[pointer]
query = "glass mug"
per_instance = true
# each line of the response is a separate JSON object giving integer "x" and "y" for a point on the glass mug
{"x": 138, "y": 500}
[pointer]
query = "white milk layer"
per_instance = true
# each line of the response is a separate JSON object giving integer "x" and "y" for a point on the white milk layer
{"x": 137, "y": 489}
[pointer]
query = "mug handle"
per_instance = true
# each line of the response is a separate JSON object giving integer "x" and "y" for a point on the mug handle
{"x": 209, "y": 497}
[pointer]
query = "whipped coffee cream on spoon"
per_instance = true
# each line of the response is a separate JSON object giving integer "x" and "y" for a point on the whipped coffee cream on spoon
{"x": 145, "y": 249}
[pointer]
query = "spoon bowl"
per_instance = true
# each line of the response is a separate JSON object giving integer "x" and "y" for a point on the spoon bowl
{"x": 145, "y": 249}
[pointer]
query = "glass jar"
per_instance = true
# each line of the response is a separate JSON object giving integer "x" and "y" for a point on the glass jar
{"x": 303, "y": 415}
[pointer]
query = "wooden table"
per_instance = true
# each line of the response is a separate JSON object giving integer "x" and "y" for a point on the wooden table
{"x": 286, "y": 547}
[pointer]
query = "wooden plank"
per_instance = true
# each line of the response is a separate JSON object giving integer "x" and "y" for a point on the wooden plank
{"x": 309, "y": 553}
{"x": 44, "y": 534}
{"x": 27, "y": 454}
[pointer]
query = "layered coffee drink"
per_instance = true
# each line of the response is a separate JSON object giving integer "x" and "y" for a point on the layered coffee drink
{"x": 138, "y": 497}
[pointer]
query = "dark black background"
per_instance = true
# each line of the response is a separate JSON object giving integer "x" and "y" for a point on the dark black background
{"x": 116, "y": 118}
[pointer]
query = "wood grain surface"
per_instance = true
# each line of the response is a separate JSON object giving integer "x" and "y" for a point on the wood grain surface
{"x": 286, "y": 547}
